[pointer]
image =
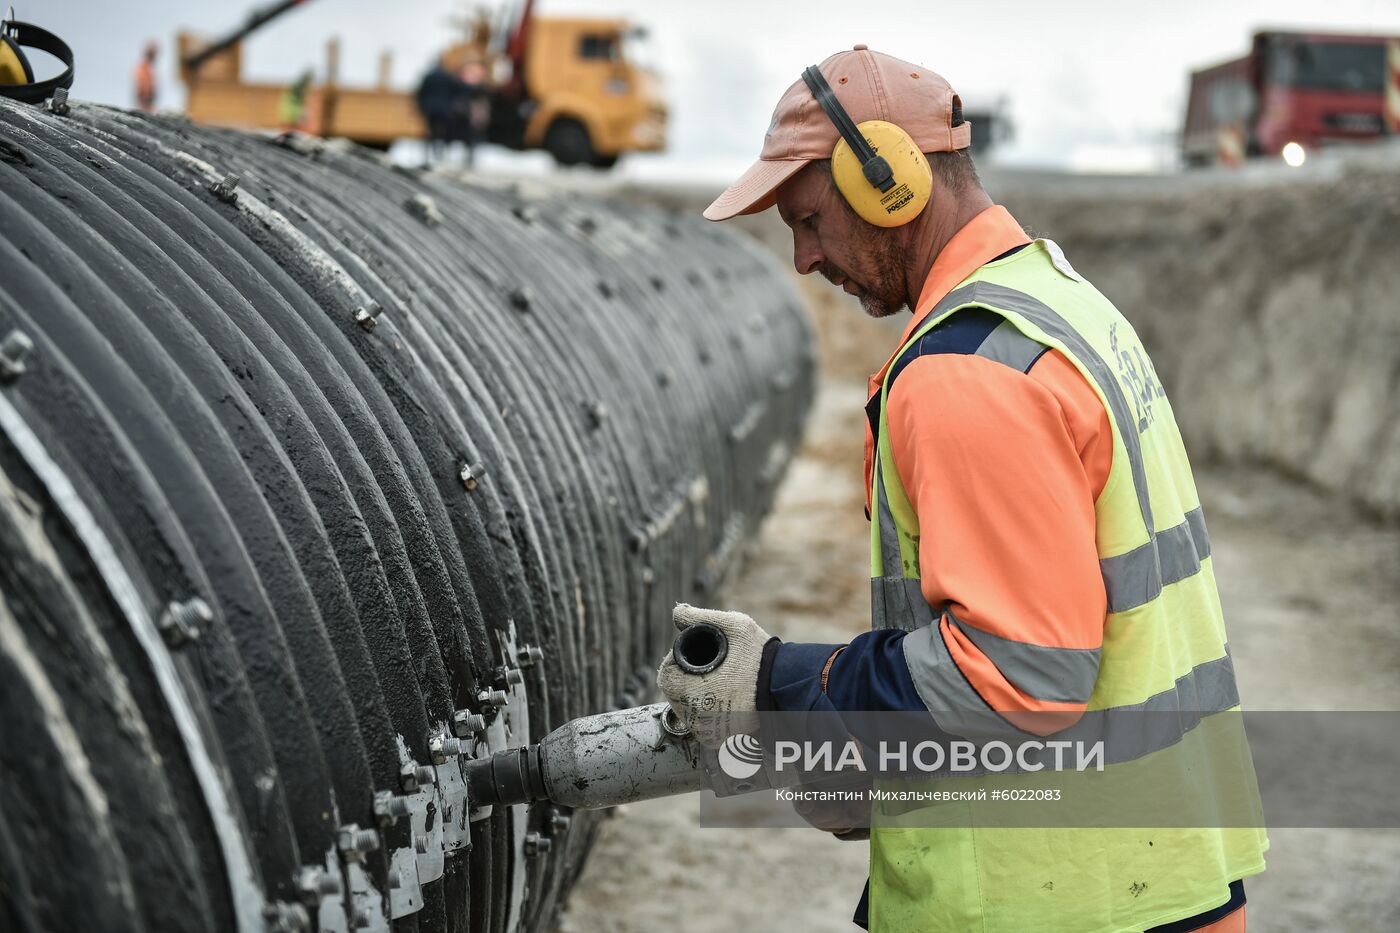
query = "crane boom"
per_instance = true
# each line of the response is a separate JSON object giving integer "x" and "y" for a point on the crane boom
{"x": 257, "y": 18}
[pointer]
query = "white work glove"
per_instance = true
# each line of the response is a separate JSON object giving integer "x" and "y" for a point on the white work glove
{"x": 721, "y": 703}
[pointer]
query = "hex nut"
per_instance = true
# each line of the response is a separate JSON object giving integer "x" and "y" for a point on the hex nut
{"x": 389, "y": 807}
{"x": 282, "y": 917}
{"x": 468, "y": 724}
{"x": 183, "y": 621}
{"x": 353, "y": 842}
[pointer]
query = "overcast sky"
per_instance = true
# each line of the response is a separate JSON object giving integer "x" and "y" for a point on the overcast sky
{"x": 1089, "y": 84}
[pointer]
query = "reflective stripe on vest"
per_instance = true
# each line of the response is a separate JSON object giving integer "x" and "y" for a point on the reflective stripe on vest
{"x": 1132, "y": 579}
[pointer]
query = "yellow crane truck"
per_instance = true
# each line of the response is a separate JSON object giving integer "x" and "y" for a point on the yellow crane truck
{"x": 566, "y": 85}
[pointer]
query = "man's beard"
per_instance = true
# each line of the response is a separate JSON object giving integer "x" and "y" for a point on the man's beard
{"x": 884, "y": 294}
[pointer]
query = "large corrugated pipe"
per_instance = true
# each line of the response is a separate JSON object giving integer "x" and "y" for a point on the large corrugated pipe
{"x": 317, "y": 475}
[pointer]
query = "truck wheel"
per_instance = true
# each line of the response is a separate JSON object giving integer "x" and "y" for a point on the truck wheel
{"x": 567, "y": 140}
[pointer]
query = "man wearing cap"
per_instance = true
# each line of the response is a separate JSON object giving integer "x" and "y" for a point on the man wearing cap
{"x": 1039, "y": 556}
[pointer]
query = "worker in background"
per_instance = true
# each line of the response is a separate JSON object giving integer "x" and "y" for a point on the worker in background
{"x": 437, "y": 97}
{"x": 144, "y": 79}
{"x": 1038, "y": 549}
{"x": 292, "y": 105}
{"x": 471, "y": 108}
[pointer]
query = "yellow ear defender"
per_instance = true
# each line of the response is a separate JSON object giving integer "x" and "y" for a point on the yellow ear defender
{"x": 14, "y": 67}
{"x": 877, "y": 166}
{"x": 17, "y": 75}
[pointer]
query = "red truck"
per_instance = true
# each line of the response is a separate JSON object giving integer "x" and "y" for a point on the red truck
{"x": 1293, "y": 92}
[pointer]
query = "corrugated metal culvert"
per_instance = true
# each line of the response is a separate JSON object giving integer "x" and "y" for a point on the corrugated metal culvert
{"x": 317, "y": 475}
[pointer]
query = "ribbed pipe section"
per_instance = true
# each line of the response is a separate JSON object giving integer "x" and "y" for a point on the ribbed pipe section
{"x": 317, "y": 475}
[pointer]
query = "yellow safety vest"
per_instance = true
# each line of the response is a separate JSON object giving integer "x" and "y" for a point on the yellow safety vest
{"x": 1163, "y": 686}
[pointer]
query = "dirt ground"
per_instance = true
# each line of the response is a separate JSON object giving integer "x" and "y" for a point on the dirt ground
{"x": 1311, "y": 595}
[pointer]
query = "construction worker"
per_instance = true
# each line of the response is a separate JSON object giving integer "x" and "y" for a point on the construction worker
{"x": 1039, "y": 555}
{"x": 144, "y": 79}
{"x": 291, "y": 107}
{"x": 437, "y": 94}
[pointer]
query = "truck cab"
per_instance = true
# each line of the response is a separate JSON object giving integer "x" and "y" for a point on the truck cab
{"x": 1293, "y": 91}
{"x": 586, "y": 100}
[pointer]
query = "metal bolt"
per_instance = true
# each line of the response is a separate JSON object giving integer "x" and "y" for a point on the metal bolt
{"x": 13, "y": 350}
{"x": 559, "y": 821}
{"x": 508, "y": 677}
{"x": 424, "y": 208}
{"x": 529, "y": 655}
{"x": 471, "y": 475}
{"x": 368, "y": 317}
{"x": 353, "y": 842}
{"x": 412, "y": 776}
{"x": 521, "y": 298}
{"x": 426, "y": 776}
{"x": 58, "y": 103}
{"x": 648, "y": 576}
{"x": 535, "y": 844}
{"x": 389, "y": 806}
{"x": 282, "y": 917}
{"x": 363, "y": 918}
{"x": 182, "y": 622}
{"x": 314, "y": 884}
{"x": 442, "y": 747}
{"x": 492, "y": 698}
{"x": 468, "y": 724}
{"x": 420, "y": 845}
{"x": 226, "y": 189}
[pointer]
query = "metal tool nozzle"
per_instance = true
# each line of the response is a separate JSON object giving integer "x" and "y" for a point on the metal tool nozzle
{"x": 700, "y": 648}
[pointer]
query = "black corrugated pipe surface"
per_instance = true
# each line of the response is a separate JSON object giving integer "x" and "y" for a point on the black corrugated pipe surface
{"x": 316, "y": 475}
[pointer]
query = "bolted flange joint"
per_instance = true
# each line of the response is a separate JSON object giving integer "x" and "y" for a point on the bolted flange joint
{"x": 414, "y": 776}
{"x": 367, "y": 316}
{"x": 354, "y": 843}
{"x": 471, "y": 475}
{"x": 58, "y": 103}
{"x": 507, "y": 677}
{"x": 182, "y": 622}
{"x": 441, "y": 747}
{"x": 13, "y": 350}
{"x": 226, "y": 188}
{"x": 467, "y": 724}
{"x": 389, "y": 807}
{"x": 315, "y": 884}
{"x": 282, "y": 917}
{"x": 492, "y": 699}
{"x": 558, "y": 822}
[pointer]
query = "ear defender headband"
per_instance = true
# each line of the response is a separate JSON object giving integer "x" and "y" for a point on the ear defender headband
{"x": 17, "y": 75}
{"x": 877, "y": 167}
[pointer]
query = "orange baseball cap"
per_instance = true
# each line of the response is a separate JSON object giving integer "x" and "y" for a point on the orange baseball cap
{"x": 871, "y": 86}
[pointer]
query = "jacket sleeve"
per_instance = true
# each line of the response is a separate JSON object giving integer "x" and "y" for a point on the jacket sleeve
{"x": 1003, "y": 469}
